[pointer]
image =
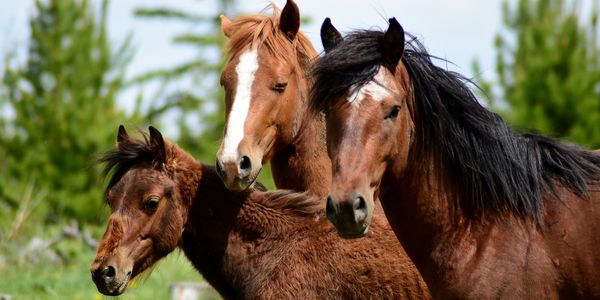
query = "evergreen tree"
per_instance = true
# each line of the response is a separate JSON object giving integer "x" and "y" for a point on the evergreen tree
{"x": 64, "y": 107}
{"x": 200, "y": 109}
{"x": 548, "y": 65}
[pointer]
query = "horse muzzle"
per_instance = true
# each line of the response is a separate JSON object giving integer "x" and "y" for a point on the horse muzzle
{"x": 109, "y": 279}
{"x": 351, "y": 216}
{"x": 237, "y": 174}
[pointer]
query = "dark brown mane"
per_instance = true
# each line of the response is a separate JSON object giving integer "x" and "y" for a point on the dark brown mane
{"x": 301, "y": 204}
{"x": 132, "y": 153}
{"x": 256, "y": 30}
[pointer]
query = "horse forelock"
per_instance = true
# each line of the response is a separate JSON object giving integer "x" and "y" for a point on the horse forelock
{"x": 352, "y": 63}
{"x": 261, "y": 30}
{"x": 132, "y": 152}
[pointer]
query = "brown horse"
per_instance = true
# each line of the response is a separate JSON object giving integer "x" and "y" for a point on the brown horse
{"x": 483, "y": 212}
{"x": 266, "y": 95}
{"x": 248, "y": 245}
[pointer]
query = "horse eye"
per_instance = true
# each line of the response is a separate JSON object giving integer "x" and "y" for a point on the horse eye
{"x": 394, "y": 112}
{"x": 280, "y": 87}
{"x": 151, "y": 203}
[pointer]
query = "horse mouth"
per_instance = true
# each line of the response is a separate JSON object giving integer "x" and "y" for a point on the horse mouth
{"x": 115, "y": 290}
{"x": 240, "y": 184}
{"x": 355, "y": 234}
{"x": 119, "y": 289}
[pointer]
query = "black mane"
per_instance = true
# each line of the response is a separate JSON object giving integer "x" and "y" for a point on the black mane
{"x": 494, "y": 168}
{"x": 129, "y": 153}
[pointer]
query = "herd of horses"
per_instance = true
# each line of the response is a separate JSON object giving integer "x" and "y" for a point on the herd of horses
{"x": 394, "y": 182}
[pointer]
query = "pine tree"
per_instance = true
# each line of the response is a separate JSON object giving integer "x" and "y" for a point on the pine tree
{"x": 548, "y": 65}
{"x": 63, "y": 99}
{"x": 200, "y": 109}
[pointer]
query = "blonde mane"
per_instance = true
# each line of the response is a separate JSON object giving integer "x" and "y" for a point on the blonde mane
{"x": 262, "y": 30}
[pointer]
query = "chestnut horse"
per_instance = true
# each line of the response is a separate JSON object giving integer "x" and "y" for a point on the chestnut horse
{"x": 248, "y": 245}
{"x": 266, "y": 96}
{"x": 483, "y": 212}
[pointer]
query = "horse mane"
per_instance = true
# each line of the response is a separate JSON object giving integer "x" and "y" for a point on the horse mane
{"x": 132, "y": 152}
{"x": 301, "y": 204}
{"x": 492, "y": 167}
{"x": 259, "y": 29}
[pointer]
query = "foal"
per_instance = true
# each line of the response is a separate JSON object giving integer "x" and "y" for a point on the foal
{"x": 247, "y": 245}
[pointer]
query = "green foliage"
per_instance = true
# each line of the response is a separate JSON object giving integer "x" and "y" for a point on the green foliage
{"x": 63, "y": 108}
{"x": 548, "y": 67}
{"x": 199, "y": 109}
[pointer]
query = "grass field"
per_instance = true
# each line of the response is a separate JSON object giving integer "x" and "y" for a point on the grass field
{"x": 23, "y": 279}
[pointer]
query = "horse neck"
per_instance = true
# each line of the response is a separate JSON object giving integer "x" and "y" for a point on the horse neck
{"x": 424, "y": 202}
{"x": 187, "y": 174}
{"x": 420, "y": 215}
{"x": 424, "y": 192}
{"x": 223, "y": 226}
{"x": 301, "y": 163}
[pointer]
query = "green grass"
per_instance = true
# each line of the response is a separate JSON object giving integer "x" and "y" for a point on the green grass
{"x": 72, "y": 280}
{"x": 265, "y": 177}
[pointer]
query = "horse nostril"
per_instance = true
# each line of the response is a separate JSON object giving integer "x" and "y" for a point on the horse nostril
{"x": 360, "y": 203}
{"x": 108, "y": 274}
{"x": 330, "y": 208}
{"x": 245, "y": 164}
{"x": 360, "y": 209}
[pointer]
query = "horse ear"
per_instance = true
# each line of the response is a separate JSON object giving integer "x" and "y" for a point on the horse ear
{"x": 158, "y": 144}
{"x": 225, "y": 26}
{"x": 330, "y": 37}
{"x": 289, "y": 22}
{"x": 122, "y": 134}
{"x": 393, "y": 44}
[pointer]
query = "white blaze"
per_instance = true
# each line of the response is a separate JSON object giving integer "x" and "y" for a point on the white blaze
{"x": 245, "y": 70}
{"x": 374, "y": 88}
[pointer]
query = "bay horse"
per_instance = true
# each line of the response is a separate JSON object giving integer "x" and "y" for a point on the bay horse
{"x": 483, "y": 211}
{"x": 253, "y": 244}
{"x": 266, "y": 99}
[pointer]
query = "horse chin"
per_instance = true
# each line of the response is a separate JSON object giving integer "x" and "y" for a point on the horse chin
{"x": 355, "y": 235}
{"x": 242, "y": 184}
{"x": 114, "y": 289}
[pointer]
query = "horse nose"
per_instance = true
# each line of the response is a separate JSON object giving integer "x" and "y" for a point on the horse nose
{"x": 359, "y": 207}
{"x": 330, "y": 209}
{"x": 106, "y": 274}
{"x": 232, "y": 168}
{"x": 245, "y": 166}
{"x": 349, "y": 216}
